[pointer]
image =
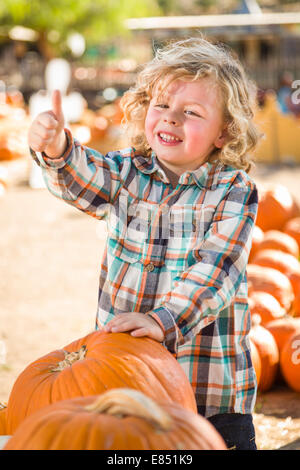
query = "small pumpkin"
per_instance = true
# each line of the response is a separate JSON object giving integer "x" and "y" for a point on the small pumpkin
{"x": 290, "y": 361}
{"x": 261, "y": 278}
{"x": 266, "y": 306}
{"x": 269, "y": 355}
{"x": 94, "y": 364}
{"x": 278, "y": 240}
{"x": 292, "y": 228}
{"x": 286, "y": 264}
{"x": 276, "y": 206}
{"x": 277, "y": 259}
{"x": 3, "y": 409}
{"x": 282, "y": 329}
{"x": 119, "y": 419}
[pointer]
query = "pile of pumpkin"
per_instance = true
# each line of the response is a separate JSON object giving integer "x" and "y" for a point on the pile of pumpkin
{"x": 106, "y": 391}
{"x": 273, "y": 274}
{"x": 14, "y": 125}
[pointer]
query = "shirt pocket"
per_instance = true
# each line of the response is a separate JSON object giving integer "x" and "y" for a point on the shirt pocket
{"x": 128, "y": 228}
{"x": 187, "y": 227}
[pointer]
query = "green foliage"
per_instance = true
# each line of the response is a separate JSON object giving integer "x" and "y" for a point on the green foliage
{"x": 95, "y": 19}
{"x": 196, "y": 7}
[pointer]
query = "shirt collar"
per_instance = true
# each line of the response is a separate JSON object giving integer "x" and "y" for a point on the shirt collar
{"x": 204, "y": 176}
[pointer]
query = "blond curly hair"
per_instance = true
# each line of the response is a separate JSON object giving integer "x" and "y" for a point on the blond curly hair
{"x": 193, "y": 59}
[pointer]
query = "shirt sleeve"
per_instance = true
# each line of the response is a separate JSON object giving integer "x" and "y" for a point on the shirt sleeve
{"x": 83, "y": 177}
{"x": 210, "y": 285}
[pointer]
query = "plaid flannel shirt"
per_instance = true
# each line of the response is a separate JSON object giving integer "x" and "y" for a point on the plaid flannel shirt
{"x": 177, "y": 254}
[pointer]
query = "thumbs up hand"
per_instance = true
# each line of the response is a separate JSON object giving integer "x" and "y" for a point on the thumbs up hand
{"x": 46, "y": 133}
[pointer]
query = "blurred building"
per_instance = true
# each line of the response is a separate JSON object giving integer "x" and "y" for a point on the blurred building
{"x": 268, "y": 43}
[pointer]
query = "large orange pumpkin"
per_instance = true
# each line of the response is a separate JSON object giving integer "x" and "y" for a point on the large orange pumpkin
{"x": 94, "y": 364}
{"x": 3, "y": 409}
{"x": 277, "y": 259}
{"x": 290, "y": 361}
{"x": 278, "y": 240}
{"x": 292, "y": 228}
{"x": 276, "y": 206}
{"x": 120, "y": 419}
{"x": 282, "y": 329}
{"x": 286, "y": 264}
{"x": 261, "y": 278}
{"x": 266, "y": 306}
{"x": 269, "y": 356}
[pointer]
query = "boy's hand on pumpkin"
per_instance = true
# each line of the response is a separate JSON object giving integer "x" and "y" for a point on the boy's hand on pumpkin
{"x": 138, "y": 323}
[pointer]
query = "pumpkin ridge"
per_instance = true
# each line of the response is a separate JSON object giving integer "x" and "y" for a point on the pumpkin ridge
{"x": 73, "y": 372}
{"x": 31, "y": 393}
{"x": 55, "y": 387}
{"x": 57, "y": 438}
{"x": 62, "y": 382}
{"x": 27, "y": 437}
{"x": 39, "y": 429}
{"x": 183, "y": 429}
{"x": 153, "y": 370}
{"x": 89, "y": 361}
{"x": 118, "y": 355}
{"x": 145, "y": 441}
{"x": 89, "y": 432}
{"x": 35, "y": 428}
{"x": 38, "y": 392}
{"x": 112, "y": 370}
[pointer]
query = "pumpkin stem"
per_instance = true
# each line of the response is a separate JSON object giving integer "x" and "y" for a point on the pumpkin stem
{"x": 129, "y": 402}
{"x": 70, "y": 358}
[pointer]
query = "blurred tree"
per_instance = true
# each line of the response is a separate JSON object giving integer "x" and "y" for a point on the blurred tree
{"x": 54, "y": 20}
{"x": 196, "y": 7}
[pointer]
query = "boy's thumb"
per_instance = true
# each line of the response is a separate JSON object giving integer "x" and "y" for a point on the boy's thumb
{"x": 57, "y": 105}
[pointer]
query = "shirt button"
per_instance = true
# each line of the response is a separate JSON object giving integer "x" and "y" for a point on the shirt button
{"x": 149, "y": 267}
{"x": 165, "y": 210}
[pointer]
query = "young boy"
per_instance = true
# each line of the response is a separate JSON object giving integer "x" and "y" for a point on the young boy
{"x": 180, "y": 209}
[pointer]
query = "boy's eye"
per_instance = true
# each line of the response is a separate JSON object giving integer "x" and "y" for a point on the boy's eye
{"x": 191, "y": 113}
{"x": 161, "y": 105}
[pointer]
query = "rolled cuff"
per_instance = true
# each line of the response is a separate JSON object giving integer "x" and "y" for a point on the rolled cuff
{"x": 43, "y": 160}
{"x": 166, "y": 321}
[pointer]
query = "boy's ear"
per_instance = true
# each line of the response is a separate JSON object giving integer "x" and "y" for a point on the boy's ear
{"x": 220, "y": 140}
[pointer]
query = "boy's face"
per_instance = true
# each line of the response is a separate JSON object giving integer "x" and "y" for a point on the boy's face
{"x": 185, "y": 125}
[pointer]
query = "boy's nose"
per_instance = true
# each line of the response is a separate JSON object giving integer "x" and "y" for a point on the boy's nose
{"x": 171, "y": 118}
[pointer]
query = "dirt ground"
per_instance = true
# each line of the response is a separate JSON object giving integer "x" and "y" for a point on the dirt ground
{"x": 49, "y": 267}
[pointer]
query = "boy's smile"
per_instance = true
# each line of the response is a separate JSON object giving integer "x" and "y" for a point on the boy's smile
{"x": 168, "y": 138}
{"x": 185, "y": 124}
